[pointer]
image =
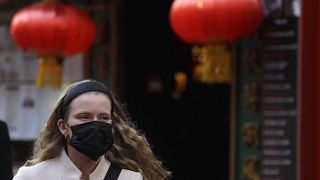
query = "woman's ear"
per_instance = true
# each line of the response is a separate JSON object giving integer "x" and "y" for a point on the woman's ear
{"x": 62, "y": 127}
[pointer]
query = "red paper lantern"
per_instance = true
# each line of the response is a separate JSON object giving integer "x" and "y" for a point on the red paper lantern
{"x": 204, "y": 21}
{"x": 52, "y": 30}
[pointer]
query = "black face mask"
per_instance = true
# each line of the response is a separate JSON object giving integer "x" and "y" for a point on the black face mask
{"x": 92, "y": 139}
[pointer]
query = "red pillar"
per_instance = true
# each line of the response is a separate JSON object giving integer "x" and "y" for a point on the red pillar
{"x": 310, "y": 91}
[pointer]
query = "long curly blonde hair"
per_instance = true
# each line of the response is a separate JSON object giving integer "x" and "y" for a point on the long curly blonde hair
{"x": 130, "y": 150}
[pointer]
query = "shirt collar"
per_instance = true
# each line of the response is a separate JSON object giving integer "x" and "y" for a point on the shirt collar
{"x": 70, "y": 171}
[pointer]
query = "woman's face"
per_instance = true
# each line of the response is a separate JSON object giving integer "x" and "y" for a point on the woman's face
{"x": 90, "y": 106}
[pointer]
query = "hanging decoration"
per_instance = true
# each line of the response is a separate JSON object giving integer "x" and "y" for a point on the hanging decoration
{"x": 212, "y": 25}
{"x": 52, "y": 30}
{"x": 180, "y": 84}
{"x": 214, "y": 63}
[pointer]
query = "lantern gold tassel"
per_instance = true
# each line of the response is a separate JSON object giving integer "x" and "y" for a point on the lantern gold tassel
{"x": 49, "y": 72}
{"x": 213, "y": 63}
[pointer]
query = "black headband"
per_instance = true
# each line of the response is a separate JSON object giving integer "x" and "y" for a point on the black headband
{"x": 81, "y": 88}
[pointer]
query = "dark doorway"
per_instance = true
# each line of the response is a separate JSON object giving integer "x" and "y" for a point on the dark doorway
{"x": 191, "y": 135}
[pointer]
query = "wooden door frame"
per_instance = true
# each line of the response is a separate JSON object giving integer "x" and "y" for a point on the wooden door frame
{"x": 309, "y": 91}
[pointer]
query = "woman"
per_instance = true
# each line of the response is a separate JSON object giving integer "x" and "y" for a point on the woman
{"x": 88, "y": 131}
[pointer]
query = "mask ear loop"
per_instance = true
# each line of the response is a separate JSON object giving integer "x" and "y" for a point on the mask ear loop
{"x": 65, "y": 135}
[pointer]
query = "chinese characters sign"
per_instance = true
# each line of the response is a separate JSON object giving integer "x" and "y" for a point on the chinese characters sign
{"x": 267, "y": 103}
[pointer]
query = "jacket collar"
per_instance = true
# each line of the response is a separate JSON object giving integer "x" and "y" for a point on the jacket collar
{"x": 70, "y": 171}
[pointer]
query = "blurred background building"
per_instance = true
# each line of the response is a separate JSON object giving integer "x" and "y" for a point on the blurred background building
{"x": 262, "y": 124}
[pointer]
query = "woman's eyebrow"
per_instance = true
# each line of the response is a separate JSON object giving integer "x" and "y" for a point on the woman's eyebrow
{"x": 105, "y": 114}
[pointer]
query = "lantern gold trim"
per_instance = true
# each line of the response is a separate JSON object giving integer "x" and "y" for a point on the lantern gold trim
{"x": 213, "y": 63}
{"x": 49, "y": 72}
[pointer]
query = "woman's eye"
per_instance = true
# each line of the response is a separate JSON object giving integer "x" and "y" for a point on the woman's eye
{"x": 106, "y": 118}
{"x": 83, "y": 117}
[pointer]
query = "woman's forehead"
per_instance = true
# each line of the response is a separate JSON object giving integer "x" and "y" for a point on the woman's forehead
{"x": 95, "y": 99}
{"x": 91, "y": 94}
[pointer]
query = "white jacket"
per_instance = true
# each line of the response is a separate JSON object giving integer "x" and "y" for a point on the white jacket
{"x": 62, "y": 168}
